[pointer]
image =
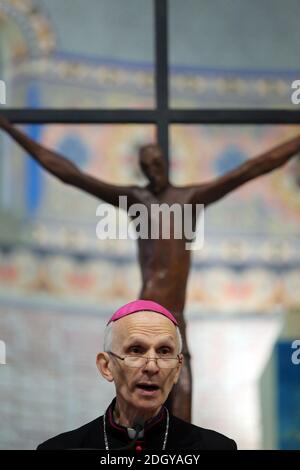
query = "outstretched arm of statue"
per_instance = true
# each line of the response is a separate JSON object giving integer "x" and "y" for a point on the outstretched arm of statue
{"x": 65, "y": 170}
{"x": 212, "y": 191}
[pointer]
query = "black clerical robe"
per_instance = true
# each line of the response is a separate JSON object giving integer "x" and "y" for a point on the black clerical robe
{"x": 179, "y": 436}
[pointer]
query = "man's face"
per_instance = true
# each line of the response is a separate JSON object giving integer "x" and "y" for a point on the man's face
{"x": 153, "y": 166}
{"x": 150, "y": 334}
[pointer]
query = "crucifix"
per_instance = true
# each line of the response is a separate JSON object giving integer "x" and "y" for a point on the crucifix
{"x": 164, "y": 263}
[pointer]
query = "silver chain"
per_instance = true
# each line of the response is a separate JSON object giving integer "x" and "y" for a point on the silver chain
{"x": 167, "y": 430}
{"x": 105, "y": 435}
{"x": 165, "y": 437}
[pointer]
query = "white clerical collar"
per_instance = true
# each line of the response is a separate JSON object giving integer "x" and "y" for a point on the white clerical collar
{"x": 131, "y": 433}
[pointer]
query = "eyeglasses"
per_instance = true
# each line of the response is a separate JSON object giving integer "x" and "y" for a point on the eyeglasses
{"x": 141, "y": 361}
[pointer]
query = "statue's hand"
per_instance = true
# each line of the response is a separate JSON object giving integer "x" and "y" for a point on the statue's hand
{"x": 4, "y": 123}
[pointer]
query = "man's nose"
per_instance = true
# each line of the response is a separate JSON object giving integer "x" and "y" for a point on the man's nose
{"x": 151, "y": 364}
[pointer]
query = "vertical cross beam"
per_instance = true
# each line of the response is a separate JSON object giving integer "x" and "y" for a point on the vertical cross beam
{"x": 161, "y": 76}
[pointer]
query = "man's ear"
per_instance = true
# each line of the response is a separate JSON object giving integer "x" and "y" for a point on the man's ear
{"x": 180, "y": 364}
{"x": 103, "y": 363}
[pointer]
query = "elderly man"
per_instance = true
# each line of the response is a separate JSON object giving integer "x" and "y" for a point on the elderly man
{"x": 142, "y": 356}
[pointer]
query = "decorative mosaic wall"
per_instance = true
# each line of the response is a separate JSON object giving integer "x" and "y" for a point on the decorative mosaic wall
{"x": 58, "y": 283}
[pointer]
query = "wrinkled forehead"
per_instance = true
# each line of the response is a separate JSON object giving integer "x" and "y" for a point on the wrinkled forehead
{"x": 144, "y": 325}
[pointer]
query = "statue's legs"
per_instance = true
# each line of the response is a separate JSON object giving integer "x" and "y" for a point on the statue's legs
{"x": 180, "y": 399}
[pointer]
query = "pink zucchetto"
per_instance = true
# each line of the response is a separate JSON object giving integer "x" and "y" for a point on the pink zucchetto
{"x": 139, "y": 306}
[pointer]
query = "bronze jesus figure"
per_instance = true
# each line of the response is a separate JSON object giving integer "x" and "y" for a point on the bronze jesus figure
{"x": 164, "y": 263}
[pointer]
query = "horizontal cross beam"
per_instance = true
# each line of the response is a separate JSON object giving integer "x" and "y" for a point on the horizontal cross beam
{"x": 149, "y": 116}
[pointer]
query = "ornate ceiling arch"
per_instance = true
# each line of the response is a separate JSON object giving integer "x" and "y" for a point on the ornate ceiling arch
{"x": 32, "y": 22}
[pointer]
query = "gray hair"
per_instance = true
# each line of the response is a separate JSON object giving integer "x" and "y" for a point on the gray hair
{"x": 108, "y": 337}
